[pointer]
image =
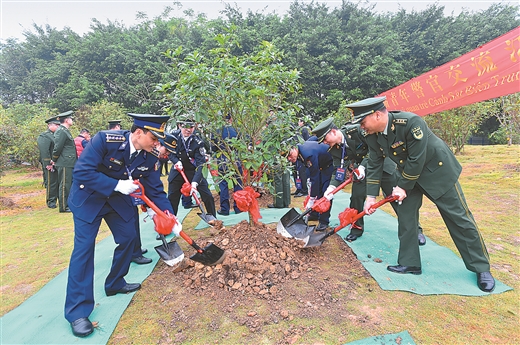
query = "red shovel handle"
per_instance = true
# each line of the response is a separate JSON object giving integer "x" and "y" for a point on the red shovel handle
{"x": 318, "y": 205}
{"x": 158, "y": 211}
{"x": 181, "y": 171}
{"x": 378, "y": 204}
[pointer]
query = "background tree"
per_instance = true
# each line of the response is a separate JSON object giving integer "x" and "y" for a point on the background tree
{"x": 455, "y": 126}
{"x": 246, "y": 87}
{"x": 507, "y": 112}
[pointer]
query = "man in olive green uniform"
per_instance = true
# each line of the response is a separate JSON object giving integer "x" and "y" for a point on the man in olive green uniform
{"x": 348, "y": 148}
{"x": 427, "y": 167}
{"x": 45, "y": 143}
{"x": 64, "y": 157}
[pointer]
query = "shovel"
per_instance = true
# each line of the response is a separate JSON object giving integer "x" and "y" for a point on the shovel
{"x": 208, "y": 218}
{"x": 352, "y": 215}
{"x": 209, "y": 256}
{"x": 170, "y": 253}
{"x": 292, "y": 224}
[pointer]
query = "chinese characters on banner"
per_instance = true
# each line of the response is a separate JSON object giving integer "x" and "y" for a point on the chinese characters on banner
{"x": 492, "y": 70}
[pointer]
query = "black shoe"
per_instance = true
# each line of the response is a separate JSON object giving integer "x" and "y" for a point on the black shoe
{"x": 66, "y": 210}
{"x": 485, "y": 281}
{"x": 422, "y": 239}
{"x": 222, "y": 213}
{"x": 141, "y": 260}
{"x": 271, "y": 206}
{"x": 351, "y": 237}
{"x": 299, "y": 195}
{"x": 322, "y": 227}
{"x": 187, "y": 207}
{"x": 404, "y": 269}
{"x": 51, "y": 206}
{"x": 82, "y": 327}
{"x": 144, "y": 250}
{"x": 296, "y": 192}
{"x": 125, "y": 289}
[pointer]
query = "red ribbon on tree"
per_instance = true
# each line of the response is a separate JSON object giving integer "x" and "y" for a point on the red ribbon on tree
{"x": 246, "y": 202}
{"x": 186, "y": 189}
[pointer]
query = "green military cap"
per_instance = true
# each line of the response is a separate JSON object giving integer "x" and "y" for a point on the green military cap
{"x": 64, "y": 115}
{"x": 113, "y": 123}
{"x": 52, "y": 120}
{"x": 153, "y": 123}
{"x": 366, "y": 107}
{"x": 323, "y": 129}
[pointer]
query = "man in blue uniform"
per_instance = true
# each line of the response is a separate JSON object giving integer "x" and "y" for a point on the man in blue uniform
{"x": 427, "y": 167}
{"x": 317, "y": 159}
{"x": 188, "y": 153}
{"x": 102, "y": 181}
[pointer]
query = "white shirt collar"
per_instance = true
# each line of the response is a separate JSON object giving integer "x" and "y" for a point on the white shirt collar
{"x": 132, "y": 147}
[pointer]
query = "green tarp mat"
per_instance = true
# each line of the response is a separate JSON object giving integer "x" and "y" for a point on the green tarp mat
{"x": 402, "y": 338}
{"x": 40, "y": 320}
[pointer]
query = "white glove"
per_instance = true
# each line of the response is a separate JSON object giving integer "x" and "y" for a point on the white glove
{"x": 177, "y": 228}
{"x": 360, "y": 172}
{"x": 150, "y": 212}
{"x": 193, "y": 188}
{"x": 311, "y": 201}
{"x": 126, "y": 187}
{"x": 328, "y": 193}
{"x": 178, "y": 165}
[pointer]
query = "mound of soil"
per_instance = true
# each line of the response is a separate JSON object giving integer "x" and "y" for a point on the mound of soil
{"x": 262, "y": 265}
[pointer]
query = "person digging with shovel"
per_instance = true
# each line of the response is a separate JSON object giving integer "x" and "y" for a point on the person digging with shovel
{"x": 103, "y": 180}
{"x": 427, "y": 167}
{"x": 348, "y": 147}
{"x": 187, "y": 153}
{"x": 316, "y": 158}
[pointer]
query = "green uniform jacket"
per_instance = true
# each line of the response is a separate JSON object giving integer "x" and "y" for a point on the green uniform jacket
{"x": 420, "y": 155}
{"x": 356, "y": 153}
{"x": 45, "y": 143}
{"x": 64, "y": 153}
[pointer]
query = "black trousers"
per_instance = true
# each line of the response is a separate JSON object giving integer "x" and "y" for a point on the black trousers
{"x": 174, "y": 193}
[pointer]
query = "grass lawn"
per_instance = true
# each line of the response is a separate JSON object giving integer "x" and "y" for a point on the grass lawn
{"x": 36, "y": 243}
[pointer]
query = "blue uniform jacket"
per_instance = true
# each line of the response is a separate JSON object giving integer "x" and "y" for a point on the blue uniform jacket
{"x": 317, "y": 158}
{"x": 101, "y": 165}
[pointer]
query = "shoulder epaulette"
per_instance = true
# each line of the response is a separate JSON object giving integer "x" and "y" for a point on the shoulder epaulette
{"x": 115, "y": 138}
{"x": 400, "y": 121}
{"x": 350, "y": 129}
{"x": 155, "y": 152}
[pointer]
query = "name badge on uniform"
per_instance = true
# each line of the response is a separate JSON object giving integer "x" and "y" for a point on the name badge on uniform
{"x": 340, "y": 174}
{"x": 135, "y": 200}
{"x": 298, "y": 183}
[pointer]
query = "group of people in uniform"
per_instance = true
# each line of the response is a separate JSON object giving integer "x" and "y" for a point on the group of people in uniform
{"x": 396, "y": 152}
{"x": 58, "y": 156}
{"x": 385, "y": 150}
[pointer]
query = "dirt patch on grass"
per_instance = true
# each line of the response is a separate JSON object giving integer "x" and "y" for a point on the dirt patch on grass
{"x": 262, "y": 272}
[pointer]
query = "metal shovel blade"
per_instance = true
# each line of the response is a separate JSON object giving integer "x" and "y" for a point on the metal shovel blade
{"x": 208, "y": 218}
{"x": 298, "y": 229}
{"x": 314, "y": 240}
{"x": 171, "y": 253}
{"x": 211, "y": 255}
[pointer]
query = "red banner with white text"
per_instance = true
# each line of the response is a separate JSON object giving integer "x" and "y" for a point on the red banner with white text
{"x": 492, "y": 70}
